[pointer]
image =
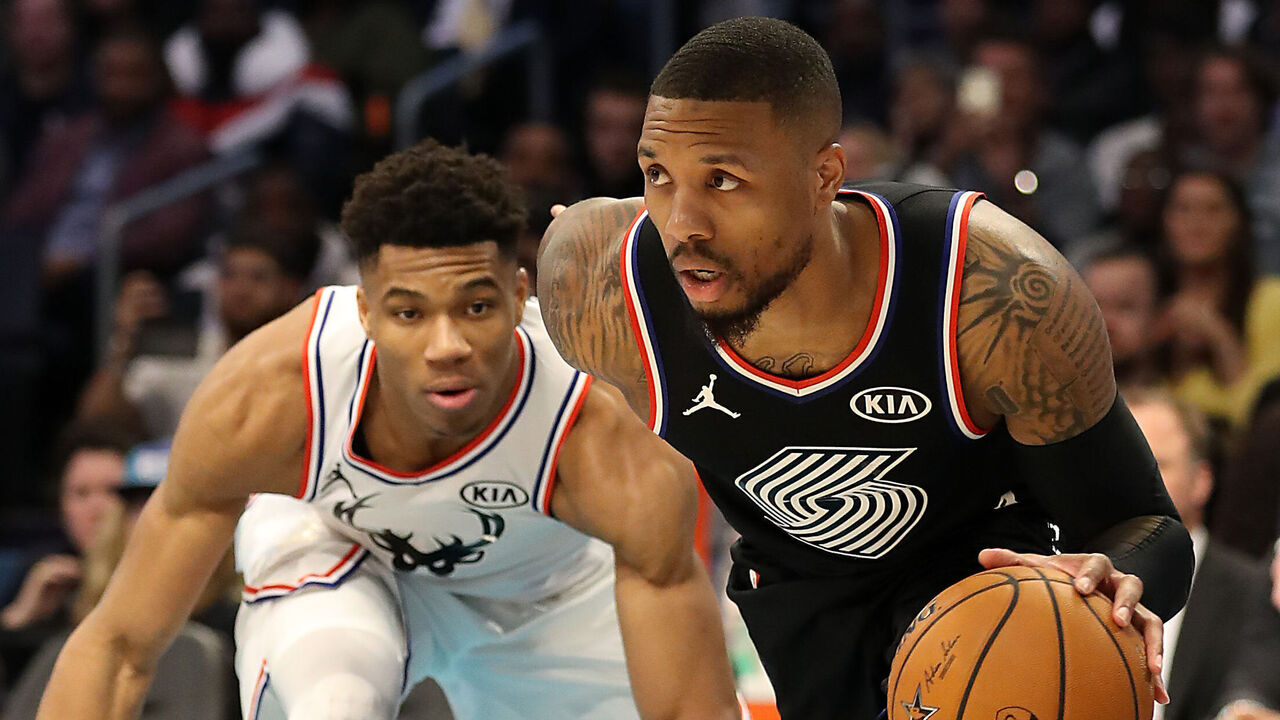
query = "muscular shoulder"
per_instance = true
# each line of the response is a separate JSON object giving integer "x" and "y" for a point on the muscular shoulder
{"x": 623, "y": 484}
{"x": 245, "y": 427}
{"x": 581, "y": 293}
{"x": 1031, "y": 342}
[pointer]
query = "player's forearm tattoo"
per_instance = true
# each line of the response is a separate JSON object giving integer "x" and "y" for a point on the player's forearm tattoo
{"x": 581, "y": 293}
{"x": 1033, "y": 339}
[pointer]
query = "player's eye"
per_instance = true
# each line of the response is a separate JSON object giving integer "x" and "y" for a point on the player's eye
{"x": 479, "y": 307}
{"x": 656, "y": 175}
{"x": 406, "y": 314}
{"x": 724, "y": 182}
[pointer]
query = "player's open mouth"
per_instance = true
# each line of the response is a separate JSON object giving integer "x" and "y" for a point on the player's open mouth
{"x": 703, "y": 285}
{"x": 452, "y": 399}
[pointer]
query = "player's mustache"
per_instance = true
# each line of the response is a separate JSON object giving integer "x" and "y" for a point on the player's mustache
{"x": 701, "y": 251}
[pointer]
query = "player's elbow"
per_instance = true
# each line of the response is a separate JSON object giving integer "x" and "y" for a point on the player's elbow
{"x": 1158, "y": 549}
{"x": 129, "y": 650}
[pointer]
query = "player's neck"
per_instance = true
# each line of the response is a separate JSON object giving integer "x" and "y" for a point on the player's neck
{"x": 825, "y": 310}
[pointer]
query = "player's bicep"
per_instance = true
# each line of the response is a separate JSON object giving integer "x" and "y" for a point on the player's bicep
{"x": 241, "y": 433}
{"x": 171, "y": 553}
{"x": 623, "y": 484}
{"x": 1031, "y": 341}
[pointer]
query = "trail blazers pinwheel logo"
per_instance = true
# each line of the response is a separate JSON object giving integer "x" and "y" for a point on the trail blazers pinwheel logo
{"x": 837, "y": 498}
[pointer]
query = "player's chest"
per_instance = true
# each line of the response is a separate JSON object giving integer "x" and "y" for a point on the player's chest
{"x": 436, "y": 526}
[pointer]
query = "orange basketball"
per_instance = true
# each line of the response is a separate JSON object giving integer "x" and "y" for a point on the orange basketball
{"x": 1019, "y": 643}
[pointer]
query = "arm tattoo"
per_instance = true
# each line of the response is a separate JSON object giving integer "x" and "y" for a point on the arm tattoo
{"x": 1031, "y": 342}
{"x": 1016, "y": 294}
{"x": 582, "y": 297}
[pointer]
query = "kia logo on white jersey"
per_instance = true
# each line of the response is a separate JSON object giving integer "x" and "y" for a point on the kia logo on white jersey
{"x": 890, "y": 404}
{"x": 493, "y": 494}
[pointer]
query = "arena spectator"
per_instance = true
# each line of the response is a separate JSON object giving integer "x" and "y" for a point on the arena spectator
{"x": 47, "y": 83}
{"x": 854, "y": 36}
{"x": 1222, "y": 318}
{"x": 921, "y": 111}
{"x": 614, "y": 115}
{"x": 962, "y": 24}
{"x": 375, "y": 48}
{"x": 278, "y": 199}
{"x": 868, "y": 153}
{"x": 244, "y": 76}
{"x": 540, "y": 161}
{"x": 1246, "y": 505}
{"x": 1124, "y": 282}
{"x": 127, "y": 143}
{"x": 1088, "y": 88}
{"x": 89, "y": 473}
{"x": 204, "y": 686}
{"x": 1235, "y": 97}
{"x": 262, "y": 274}
{"x": 1167, "y": 61}
{"x": 1005, "y": 151}
{"x": 1224, "y": 646}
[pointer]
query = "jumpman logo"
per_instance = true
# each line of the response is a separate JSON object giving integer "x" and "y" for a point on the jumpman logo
{"x": 707, "y": 399}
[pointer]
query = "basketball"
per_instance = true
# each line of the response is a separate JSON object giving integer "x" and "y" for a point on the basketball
{"x": 1019, "y": 643}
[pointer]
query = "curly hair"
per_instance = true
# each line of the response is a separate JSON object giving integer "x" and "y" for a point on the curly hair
{"x": 430, "y": 196}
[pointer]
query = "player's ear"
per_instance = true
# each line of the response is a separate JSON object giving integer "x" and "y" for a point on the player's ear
{"x": 362, "y": 305}
{"x": 830, "y": 166}
{"x": 522, "y": 292}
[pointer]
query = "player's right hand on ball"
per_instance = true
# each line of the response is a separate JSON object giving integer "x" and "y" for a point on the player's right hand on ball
{"x": 1095, "y": 571}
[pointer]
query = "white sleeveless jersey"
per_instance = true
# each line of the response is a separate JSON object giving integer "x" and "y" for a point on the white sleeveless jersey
{"x": 478, "y": 522}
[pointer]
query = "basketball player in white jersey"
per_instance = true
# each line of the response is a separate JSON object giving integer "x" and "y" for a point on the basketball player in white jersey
{"x": 455, "y": 479}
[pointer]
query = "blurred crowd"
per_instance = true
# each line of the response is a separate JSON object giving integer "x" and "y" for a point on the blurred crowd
{"x": 1138, "y": 136}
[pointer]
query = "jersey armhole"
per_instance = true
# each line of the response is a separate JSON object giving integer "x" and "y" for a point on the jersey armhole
{"x": 313, "y": 392}
{"x": 638, "y": 317}
{"x": 956, "y": 240}
{"x": 565, "y": 418}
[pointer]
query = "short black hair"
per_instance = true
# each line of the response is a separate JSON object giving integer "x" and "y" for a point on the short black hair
{"x": 430, "y": 195}
{"x": 1258, "y": 76}
{"x": 95, "y": 432}
{"x": 756, "y": 59}
{"x": 295, "y": 249}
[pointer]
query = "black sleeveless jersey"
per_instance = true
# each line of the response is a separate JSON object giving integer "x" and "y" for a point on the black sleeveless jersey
{"x": 863, "y": 467}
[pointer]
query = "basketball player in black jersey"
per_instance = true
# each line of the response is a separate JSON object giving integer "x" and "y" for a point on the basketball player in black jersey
{"x": 885, "y": 388}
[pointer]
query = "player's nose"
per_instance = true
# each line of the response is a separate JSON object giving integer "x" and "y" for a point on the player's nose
{"x": 445, "y": 342}
{"x": 688, "y": 219}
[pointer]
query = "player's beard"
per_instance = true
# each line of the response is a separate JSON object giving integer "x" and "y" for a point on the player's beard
{"x": 735, "y": 324}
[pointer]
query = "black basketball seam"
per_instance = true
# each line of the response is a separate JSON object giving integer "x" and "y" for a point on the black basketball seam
{"x": 991, "y": 639}
{"x": 893, "y": 690}
{"x": 1133, "y": 688}
{"x": 1062, "y": 649}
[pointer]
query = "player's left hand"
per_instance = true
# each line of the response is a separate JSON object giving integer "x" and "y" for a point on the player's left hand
{"x": 1094, "y": 571}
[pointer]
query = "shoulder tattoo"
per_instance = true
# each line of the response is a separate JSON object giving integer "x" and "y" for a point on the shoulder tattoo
{"x": 1031, "y": 341}
{"x": 581, "y": 293}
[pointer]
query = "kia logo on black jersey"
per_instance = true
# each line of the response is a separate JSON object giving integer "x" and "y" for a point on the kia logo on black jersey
{"x": 493, "y": 494}
{"x": 890, "y": 404}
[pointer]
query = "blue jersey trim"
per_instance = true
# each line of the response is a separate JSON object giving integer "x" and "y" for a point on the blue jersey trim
{"x": 321, "y": 417}
{"x": 660, "y": 392}
{"x": 315, "y": 582}
{"x": 551, "y": 442}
